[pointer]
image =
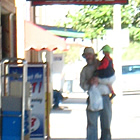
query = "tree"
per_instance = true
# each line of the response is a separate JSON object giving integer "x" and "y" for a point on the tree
{"x": 95, "y": 20}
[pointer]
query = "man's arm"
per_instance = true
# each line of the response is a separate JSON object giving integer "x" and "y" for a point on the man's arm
{"x": 84, "y": 84}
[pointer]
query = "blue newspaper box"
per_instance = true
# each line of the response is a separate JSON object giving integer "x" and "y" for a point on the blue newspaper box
{"x": 11, "y": 125}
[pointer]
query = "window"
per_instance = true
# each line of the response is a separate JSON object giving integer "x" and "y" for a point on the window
{"x": 131, "y": 69}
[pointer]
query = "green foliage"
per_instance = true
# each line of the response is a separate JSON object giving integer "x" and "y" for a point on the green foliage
{"x": 127, "y": 15}
{"x": 95, "y": 20}
{"x": 132, "y": 52}
{"x": 134, "y": 34}
{"x": 71, "y": 55}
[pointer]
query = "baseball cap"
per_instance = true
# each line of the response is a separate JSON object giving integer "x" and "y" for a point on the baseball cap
{"x": 88, "y": 50}
{"x": 107, "y": 48}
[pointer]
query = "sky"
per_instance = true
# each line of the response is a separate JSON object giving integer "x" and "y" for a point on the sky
{"x": 55, "y": 13}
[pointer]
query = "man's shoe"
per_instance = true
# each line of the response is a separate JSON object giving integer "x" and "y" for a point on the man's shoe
{"x": 65, "y": 98}
{"x": 112, "y": 96}
{"x": 58, "y": 108}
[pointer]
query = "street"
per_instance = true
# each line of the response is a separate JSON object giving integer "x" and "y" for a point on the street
{"x": 70, "y": 123}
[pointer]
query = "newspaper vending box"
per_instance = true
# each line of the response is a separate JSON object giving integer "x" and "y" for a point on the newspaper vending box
{"x": 14, "y": 101}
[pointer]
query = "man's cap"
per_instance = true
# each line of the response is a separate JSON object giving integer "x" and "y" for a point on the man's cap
{"x": 88, "y": 50}
{"x": 107, "y": 48}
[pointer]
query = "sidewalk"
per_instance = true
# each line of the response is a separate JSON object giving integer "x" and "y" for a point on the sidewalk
{"x": 85, "y": 139}
{"x": 70, "y": 123}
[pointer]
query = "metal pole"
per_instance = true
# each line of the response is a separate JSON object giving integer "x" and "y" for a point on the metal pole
{"x": 24, "y": 80}
{"x": 0, "y": 33}
{"x": 11, "y": 16}
{"x": 117, "y": 17}
{"x": 0, "y": 102}
{"x": 117, "y": 53}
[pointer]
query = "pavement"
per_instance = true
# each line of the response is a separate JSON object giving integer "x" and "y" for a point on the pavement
{"x": 70, "y": 123}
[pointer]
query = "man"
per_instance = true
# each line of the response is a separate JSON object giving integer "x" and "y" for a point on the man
{"x": 57, "y": 96}
{"x": 86, "y": 80}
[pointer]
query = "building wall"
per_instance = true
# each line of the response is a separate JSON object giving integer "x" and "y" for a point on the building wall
{"x": 0, "y": 34}
{"x": 8, "y": 6}
{"x": 8, "y": 24}
{"x": 7, "y": 29}
{"x": 5, "y": 36}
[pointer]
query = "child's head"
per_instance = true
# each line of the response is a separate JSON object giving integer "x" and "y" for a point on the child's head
{"x": 107, "y": 49}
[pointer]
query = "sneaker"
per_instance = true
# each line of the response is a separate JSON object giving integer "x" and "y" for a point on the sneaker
{"x": 65, "y": 98}
{"x": 112, "y": 96}
{"x": 58, "y": 108}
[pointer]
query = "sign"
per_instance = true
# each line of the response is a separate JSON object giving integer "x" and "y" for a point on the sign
{"x": 36, "y": 76}
{"x": 78, "y": 2}
{"x": 58, "y": 63}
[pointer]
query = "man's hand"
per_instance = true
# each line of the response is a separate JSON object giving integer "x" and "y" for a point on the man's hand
{"x": 93, "y": 81}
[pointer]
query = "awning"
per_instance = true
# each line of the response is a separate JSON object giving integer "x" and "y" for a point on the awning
{"x": 38, "y": 38}
{"x": 73, "y": 38}
{"x": 63, "y": 32}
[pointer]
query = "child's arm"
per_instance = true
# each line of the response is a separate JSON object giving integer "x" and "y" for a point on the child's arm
{"x": 104, "y": 64}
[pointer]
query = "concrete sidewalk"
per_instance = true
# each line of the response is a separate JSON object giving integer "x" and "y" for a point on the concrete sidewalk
{"x": 70, "y": 123}
{"x": 85, "y": 139}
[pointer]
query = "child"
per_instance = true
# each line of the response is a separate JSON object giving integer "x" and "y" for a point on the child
{"x": 105, "y": 71}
